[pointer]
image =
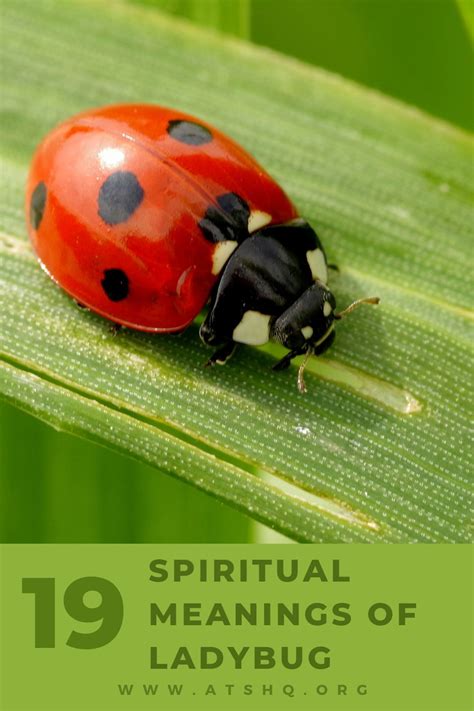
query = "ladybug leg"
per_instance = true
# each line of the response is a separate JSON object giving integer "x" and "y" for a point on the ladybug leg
{"x": 222, "y": 355}
{"x": 81, "y": 306}
{"x": 285, "y": 362}
{"x": 334, "y": 267}
{"x": 114, "y": 328}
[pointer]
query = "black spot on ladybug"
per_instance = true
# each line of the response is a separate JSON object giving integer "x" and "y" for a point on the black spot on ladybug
{"x": 37, "y": 205}
{"x": 228, "y": 222}
{"x": 119, "y": 196}
{"x": 115, "y": 284}
{"x": 189, "y": 132}
{"x": 236, "y": 207}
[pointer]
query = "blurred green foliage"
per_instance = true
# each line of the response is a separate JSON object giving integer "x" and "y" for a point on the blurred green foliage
{"x": 416, "y": 50}
{"x": 55, "y": 488}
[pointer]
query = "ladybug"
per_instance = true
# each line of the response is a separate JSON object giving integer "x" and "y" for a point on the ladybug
{"x": 145, "y": 214}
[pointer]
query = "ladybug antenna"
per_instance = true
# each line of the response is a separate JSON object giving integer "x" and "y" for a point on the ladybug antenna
{"x": 301, "y": 383}
{"x": 368, "y": 300}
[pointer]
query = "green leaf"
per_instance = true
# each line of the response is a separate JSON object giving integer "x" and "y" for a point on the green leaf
{"x": 466, "y": 10}
{"x": 376, "y": 450}
{"x": 230, "y": 16}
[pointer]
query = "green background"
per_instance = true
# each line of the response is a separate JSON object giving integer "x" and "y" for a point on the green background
{"x": 424, "y": 665}
{"x": 57, "y": 488}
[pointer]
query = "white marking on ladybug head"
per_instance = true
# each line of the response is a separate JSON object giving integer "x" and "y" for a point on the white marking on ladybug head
{"x": 327, "y": 308}
{"x": 258, "y": 219}
{"x": 317, "y": 264}
{"x": 253, "y": 330}
{"x": 307, "y": 332}
{"x": 222, "y": 252}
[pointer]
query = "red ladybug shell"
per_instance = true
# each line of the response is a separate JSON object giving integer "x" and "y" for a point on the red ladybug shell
{"x": 114, "y": 200}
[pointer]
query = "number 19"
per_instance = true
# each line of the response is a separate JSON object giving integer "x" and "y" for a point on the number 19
{"x": 109, "y": 611}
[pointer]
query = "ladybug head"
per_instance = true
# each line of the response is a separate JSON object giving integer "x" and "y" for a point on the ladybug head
{"x": 307, "y": 326}
{"x": 308, "y": 322}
